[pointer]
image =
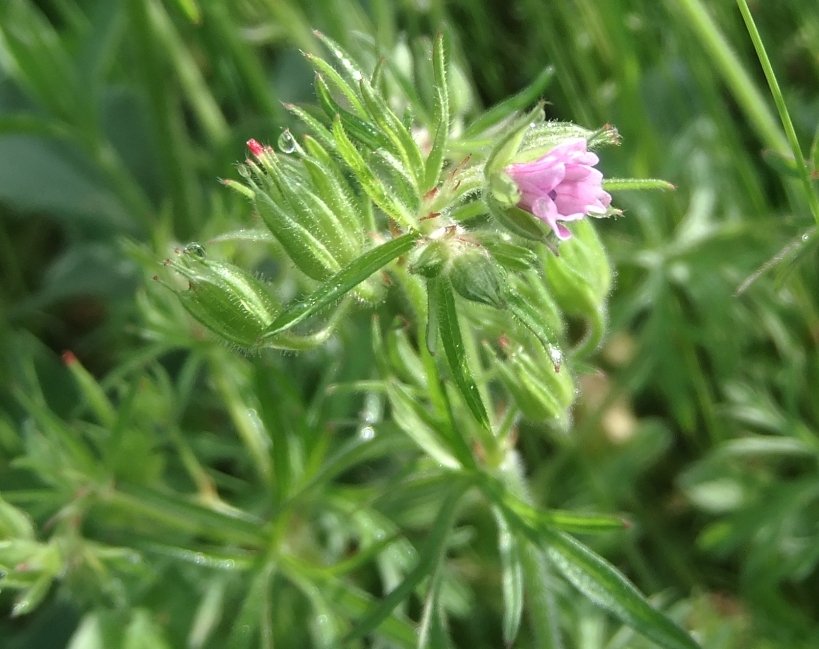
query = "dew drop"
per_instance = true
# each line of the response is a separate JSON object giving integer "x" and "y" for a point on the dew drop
{"x": 195, "y": 249}
{"x": 805, "y": 237}
{"x": 556, "y": 356}
{"x": 287, "y": 143}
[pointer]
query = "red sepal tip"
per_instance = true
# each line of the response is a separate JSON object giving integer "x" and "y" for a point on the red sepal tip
{"x": 255, "y": 148}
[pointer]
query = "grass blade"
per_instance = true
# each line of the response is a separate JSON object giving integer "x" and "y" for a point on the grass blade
{"x": 784, "y": 116}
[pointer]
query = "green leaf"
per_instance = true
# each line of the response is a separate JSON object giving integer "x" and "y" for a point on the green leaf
{"x": 589, "y": 573}
{"x": 783, "y": 163}
{"x": 603, "y": 584}
{"x": 342, "y": 282}
{"x": 541, "y": 606}
{"x": 584, "y": 523}
{"x": 511, "y": 579}
{"x": 246, "y": 619}
{"x": 351, "y": 601}
{"x": 179, "y": 513}
{"x": 456, "y": 356}
{"x": 429, "y": 556}
{"x": 253, "y": 235}
{"x": 31, "y": 597}
{"x": 191, "y": 10}
{"x": 410, "y": 418}
{"x": 15, "y": 523}
{"x": 520, "y": 101}
{"x": 623, "y": 184}
{"x": 435, "y": 158}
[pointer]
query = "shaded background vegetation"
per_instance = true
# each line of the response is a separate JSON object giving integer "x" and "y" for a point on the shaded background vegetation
{"x": 117, "y": 119}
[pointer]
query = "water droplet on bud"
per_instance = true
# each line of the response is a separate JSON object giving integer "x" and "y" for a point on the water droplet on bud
{"x": 196, "y": 249}
{"x": 287, "y": 143}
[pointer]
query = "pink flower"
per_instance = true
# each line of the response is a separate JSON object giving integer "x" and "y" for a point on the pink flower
{"x": 561, "y": 186}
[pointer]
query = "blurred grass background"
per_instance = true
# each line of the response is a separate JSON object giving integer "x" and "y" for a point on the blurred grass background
{"x": 118, "y": 117}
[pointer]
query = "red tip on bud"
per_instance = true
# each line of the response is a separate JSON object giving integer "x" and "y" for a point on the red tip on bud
{"x": 255, "y": 148}
{"x": 69, "y": 358}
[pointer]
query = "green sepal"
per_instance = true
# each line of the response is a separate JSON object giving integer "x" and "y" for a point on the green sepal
{"x": 227, "y": 300}
{"x": 624, "y": 184}
{"x": 312, "y": 213}
{"x": 360, "y": 129}
{"x": 323, "y": 68}
{"x": 396, "y": 132}
{"x": 431, "y": 260}
{"x": 331, "y": 185}
{"x": 580, "y": 279}
{"x": 306, "y": 252}
{"x": 543, "y": 137}
{"x": 509, "y": 255}
{"x": 369, "y": 181}
{"x": 508, "y": 145}
{"x": 518, "y": 102}
{"x": 541, "y": 391}
{"x": 518, "y": 221}
{"x": 530, "y": 315}
{"x": 347, "y": 62}
{"x": 319, "y": 130}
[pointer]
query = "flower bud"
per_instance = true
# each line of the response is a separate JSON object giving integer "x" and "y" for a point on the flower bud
{"x": 580, "y": 276}
{"x": 580, "y": 279}
{"x": 541, "y": 391}
{"x": 431, "y": 260}
{"x": 227, "y": 300}
{"x": 478, "y": 277}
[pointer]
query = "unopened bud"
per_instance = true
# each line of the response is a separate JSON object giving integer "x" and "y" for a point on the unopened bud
{"x": 478, "y": 277}
{"x": 431, "y": 260}
{"x": 580, "y": 276}
{"x": 541, "y": 390}
{"x": 227, "y": 300}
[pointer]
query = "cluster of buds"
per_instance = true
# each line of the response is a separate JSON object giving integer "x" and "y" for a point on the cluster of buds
{"x": 479, "y": 216}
